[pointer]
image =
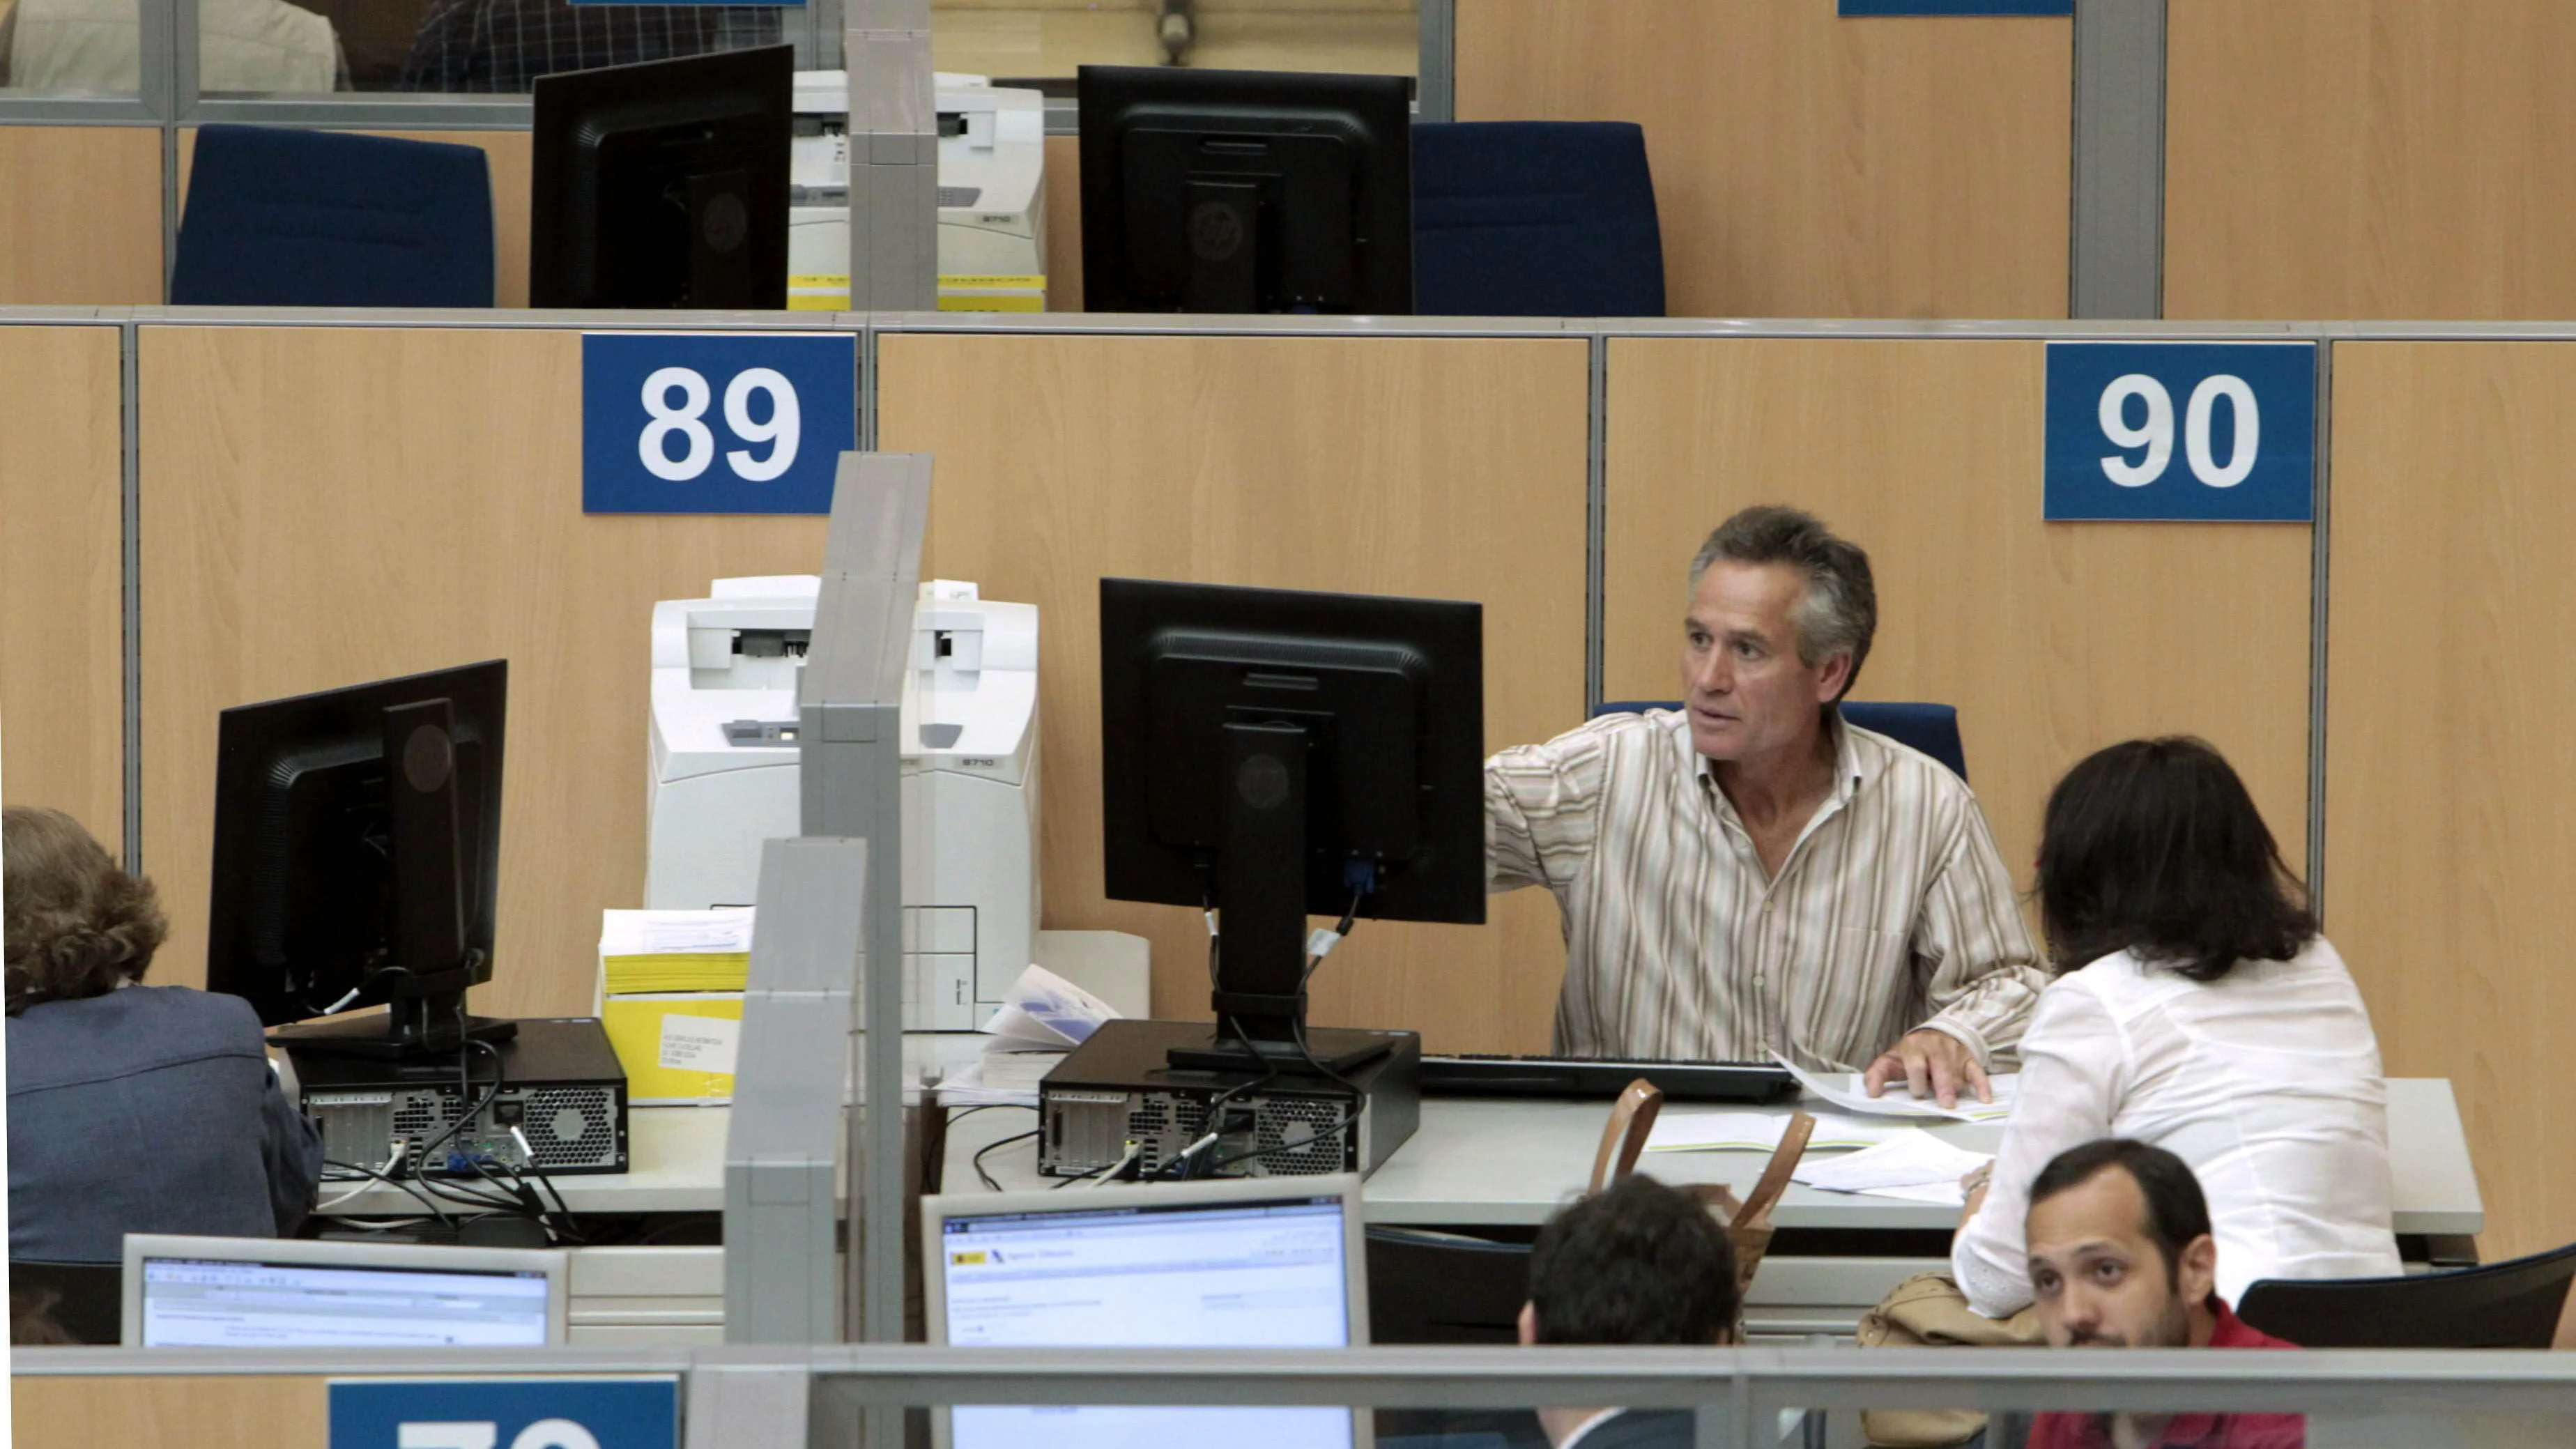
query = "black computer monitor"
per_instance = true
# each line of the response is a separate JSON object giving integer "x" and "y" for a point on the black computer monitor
{"x": 1278, "y": 754}
{"x": 358, "y": 860}
{"x": 1245, "y": 191}
{"x": 664, "y": 184}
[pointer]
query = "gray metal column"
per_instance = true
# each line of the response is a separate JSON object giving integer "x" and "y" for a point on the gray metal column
{"x": 1435, "y": 85}
{"x": 2117, "y": 231}
{"x": 783, "y": 1142}
{"x": 850, "y": 764}
{"x": 894, "y": 158}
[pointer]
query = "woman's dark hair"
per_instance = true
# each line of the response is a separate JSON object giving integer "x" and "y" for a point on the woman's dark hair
{"x": 76, "y": 924}
{"x": 2153, "y": 847}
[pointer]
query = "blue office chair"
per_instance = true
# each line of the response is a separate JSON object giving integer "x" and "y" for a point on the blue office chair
{"x": 1931, "y": 728}
{"x": 285, "y": 218}
{"x": 1535, "y": 219}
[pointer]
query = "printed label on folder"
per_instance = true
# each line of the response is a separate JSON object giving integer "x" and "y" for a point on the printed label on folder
{"x": 699, "y": 1043}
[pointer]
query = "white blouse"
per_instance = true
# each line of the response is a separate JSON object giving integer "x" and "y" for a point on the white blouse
{"x": 2266, "y": 1081}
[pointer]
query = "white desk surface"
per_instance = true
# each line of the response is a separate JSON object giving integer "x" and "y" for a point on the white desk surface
{"x": 1493, "y": 1161}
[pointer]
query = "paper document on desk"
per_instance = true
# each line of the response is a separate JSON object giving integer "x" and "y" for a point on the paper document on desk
{"x": 1844, "y": 1090}
{"x": 1043, "y": 1012}
{"x": 1913, "y": 1158}
{"x": 1761, "y": 1131}
{"x": 998, "y": 1079}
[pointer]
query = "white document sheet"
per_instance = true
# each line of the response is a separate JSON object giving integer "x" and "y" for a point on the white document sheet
{"x": 1043, "y": 1012}
{"x": 1761, "y": 1131}
{"x": 1912, "y": 1158}
{"x": 1844, "y": 1090}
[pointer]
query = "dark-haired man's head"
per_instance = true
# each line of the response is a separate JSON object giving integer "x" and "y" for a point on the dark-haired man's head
{"x": 2155, "y": 847}
{"x": 1637, "y": 1263}
{"x": 2120, "y": 1249}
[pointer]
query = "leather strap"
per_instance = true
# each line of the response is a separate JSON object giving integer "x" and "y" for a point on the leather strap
{"x": 1623, "y": 1137}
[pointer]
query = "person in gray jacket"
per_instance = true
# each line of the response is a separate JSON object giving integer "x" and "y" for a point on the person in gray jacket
{"x": 132, "y": 1108}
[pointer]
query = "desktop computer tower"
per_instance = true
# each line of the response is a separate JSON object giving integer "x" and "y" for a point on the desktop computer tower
{"x": 560, "y": 1086}
{"x": 1117, "y": 1089}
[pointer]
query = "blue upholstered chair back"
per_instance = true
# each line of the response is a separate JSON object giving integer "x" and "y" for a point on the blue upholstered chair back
{"x": 284, "y": 218}
{"x": 1931, "y": 728}
{"x": 1535, "y": 219}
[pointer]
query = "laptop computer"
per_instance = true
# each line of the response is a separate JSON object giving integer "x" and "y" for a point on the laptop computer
{"x": 196, "y": 1292}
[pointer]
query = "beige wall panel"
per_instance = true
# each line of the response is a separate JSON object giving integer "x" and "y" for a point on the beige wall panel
{"x": 2052, "y": 639}
{"x": 1805, "y": 165}
{"x": 512, "y": 157}
{"x": 80, "y": 216}
{"x": 1064, "y": 223}
{"x": 62, "y": 684}
{"x": 170, "y": 1413}
{"x": 2369, "y": 158}
{"x": 1451, "y": 468}
{"x": 2447, "y": 777}
{"x": 330, "y": 506}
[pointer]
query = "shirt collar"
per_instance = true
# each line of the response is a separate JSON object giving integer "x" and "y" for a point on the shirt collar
{"x": 1588, "y": 1425}
{"x": 1854, "y": 765}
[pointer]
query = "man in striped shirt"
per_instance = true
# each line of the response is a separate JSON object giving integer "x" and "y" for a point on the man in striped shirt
{"x": 1750, "y": 873}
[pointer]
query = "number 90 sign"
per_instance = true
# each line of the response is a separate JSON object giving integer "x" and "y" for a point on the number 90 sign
{"x": 2186, "y": 432}
{"x": 680, "y": 422}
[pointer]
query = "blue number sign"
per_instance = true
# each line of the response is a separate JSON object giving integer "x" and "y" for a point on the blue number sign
{"x": 2195, "y": 432}
{"x": 707, "y": 422}
{"x": 621, "y": 1413}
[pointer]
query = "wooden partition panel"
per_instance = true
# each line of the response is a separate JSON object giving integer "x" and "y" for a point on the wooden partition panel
{"x": 1448, "y": 468}
{"x": 1807, "y": 165}
{"x": 80, "y": 216}
{"x": 2447, "y": 777}
{"x": 2369, "y": 158}
{"x": 324, "y": 506}
{"x": 1064, "y": 223}
{"x": 179, "y": 1412}
{"x": 62, "y": 676}
{"x": 512, "y": 157}
{"x": 2052, "y": 639}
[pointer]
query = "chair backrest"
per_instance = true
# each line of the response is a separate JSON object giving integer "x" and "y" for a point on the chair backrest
{"x": 2501, "y": 1305}
{"x": 1434, "y": 1287}
{"x": 84, "y": 1300}
{"x": 1931, "y": 728}
{"x": 1535, "y": 219}
{"x": 287, "y": 218}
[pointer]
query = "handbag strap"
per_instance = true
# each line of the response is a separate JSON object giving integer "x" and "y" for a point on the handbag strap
{"x": 1623, "y": 1137}
{"x": 1775, "y": 1177}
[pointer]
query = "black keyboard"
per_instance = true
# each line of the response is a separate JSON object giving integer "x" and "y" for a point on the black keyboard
{"x": 1479, "y": 1074}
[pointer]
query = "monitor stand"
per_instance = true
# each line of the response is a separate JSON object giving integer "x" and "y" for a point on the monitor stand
{"x": 1334, "y": 1049}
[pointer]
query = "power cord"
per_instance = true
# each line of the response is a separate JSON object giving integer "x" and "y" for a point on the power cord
{"x": 989, "y": 1146}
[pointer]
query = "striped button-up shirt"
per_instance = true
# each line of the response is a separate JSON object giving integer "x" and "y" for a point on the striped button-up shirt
{"x": 1893, "y": 910}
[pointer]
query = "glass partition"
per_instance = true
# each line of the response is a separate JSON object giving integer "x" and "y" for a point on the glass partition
{"x": 72, "y": 47}
{"x": 1043, "y": 41}
{"x": 456, "y": 47}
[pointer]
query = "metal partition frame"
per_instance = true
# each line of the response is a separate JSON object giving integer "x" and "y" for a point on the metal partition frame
{"x": 780, "y": 1398}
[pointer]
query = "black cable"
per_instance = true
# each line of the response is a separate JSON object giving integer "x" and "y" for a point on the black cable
{"x": 1350, "y": 1119}
{"x": 472, "y": 1109}
{"x": 1213, "y": 1122}
{"x": 435, "y": 1210}
{"x": 1350, "y": 918}
{"x": 989, "y": 1146}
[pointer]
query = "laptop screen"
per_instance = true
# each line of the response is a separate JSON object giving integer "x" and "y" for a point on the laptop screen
{"x": 1267, "y": 1273}
{"x": 213, "y": 1303}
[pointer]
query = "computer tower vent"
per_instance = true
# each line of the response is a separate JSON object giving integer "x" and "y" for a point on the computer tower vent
{"x": 572, "y": 1126}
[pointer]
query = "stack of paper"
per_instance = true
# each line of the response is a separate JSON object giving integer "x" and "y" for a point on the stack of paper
{"x": 1043, "y": 1016}
{"x": 1844, "y": 1090}
{"x": 1913, "y": 1164}
{"x": 656, "y": 951}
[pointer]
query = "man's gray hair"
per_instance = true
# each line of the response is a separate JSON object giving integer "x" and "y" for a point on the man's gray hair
{"x": 1839, "y": 612}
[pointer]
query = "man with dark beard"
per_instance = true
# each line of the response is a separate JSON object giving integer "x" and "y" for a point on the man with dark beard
{"x": 2121, "y": 1256}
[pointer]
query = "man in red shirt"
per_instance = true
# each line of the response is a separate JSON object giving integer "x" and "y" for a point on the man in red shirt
{"x": 2121, "y": 1257}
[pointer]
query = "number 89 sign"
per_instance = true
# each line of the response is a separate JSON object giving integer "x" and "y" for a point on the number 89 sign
{"x": 707, "y": 422}
{"x": 2182, "y": 432}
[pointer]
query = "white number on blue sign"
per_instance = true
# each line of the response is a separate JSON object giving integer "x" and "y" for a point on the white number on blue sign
{"x": 687, "y": 420}
{"x": 2155, "y": 432}
{"x": 543, "y": 1434}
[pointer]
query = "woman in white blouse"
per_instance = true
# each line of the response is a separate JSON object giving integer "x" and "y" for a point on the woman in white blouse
{"x": 2196, "y": 1008}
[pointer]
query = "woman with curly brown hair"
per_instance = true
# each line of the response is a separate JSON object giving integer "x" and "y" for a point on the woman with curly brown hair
{"x": 132, "y": 1108}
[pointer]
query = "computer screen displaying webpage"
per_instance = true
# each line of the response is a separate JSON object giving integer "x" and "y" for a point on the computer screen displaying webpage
{"x": 1267, "y": 1274}
{"x": 208, "y": 1303}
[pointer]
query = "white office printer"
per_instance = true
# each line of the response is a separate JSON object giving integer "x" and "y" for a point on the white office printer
{"x": 992, "y": 195}
{"x": 724, "y": 775}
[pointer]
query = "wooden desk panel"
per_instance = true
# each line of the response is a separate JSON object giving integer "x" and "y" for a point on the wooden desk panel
{"x": 62, "y": 673}
{"x": 2447, "y": 777}
{"x": 2052, "y": 639}
{"x": 1441, "y": 467}
{"x": 1806, "y": 165}
{"x": 181, "y": 1412}
{"x": 2369, "y": 158}
{"x": 80, "y": 216}
{"x": 333, "y": 505}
